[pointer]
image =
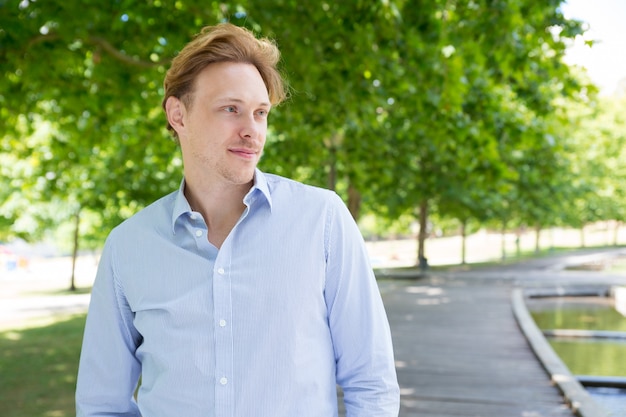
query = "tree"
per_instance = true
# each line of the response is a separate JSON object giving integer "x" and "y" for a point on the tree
{"x": 472, "y": 102}
{"x": 403, "y": 107}
{"x": 97, "y": 94}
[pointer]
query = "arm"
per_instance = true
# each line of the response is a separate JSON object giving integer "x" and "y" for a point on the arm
{"x": 358, "y": 323}
{"x": 108, "y": 370}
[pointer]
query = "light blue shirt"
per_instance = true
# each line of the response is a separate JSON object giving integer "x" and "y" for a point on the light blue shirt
{"x": 266, "y": 326}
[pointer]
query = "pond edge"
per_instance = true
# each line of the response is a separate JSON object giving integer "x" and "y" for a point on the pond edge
{"x": 576, "y": 396}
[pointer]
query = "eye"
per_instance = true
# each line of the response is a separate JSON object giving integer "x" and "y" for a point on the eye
{"x": 262, "y": 113}
{"x": 230, "y": 109}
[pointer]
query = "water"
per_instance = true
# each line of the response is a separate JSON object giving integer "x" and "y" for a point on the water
{"x": 587, "y": 356}
{"x": 611, "y": 399}
{"x": 592, "y": 356}
{"x": 583, "y": 313}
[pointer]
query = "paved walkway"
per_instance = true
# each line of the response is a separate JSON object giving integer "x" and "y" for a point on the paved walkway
{"x": 459, "y": 349}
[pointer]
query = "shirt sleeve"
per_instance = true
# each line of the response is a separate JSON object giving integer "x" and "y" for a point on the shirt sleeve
{"x": 358, "y": 322}
{"x": 108, "y": 369}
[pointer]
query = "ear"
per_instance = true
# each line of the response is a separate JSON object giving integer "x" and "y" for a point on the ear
{"x": 175, "y": 110}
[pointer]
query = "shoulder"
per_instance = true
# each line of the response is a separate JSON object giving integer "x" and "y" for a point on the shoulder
{"x": 296, "y": 192}
{"x": 308, "y": 204}
{"x": 155, "y": 217}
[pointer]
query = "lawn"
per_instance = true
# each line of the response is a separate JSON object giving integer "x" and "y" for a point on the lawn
{"x": 38, "y": 369}
{"x": 618, "y": 265}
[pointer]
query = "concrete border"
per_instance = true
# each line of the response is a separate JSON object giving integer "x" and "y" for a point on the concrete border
{"x": 581, "y": 403}
{"x": 618, "y": 293}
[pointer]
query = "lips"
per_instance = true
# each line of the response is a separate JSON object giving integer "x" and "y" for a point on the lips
{"x": 244, "y": 153}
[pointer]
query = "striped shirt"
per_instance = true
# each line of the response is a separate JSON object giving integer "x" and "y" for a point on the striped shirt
{"x": 268, "y": 325}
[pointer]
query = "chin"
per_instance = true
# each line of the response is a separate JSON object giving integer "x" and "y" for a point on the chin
{"x": 242, "y": 178}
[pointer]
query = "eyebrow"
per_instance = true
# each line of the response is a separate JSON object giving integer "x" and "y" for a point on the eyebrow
{"x": 238, "y": 100}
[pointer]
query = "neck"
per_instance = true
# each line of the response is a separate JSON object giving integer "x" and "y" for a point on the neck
{"x": 220, "y": 206}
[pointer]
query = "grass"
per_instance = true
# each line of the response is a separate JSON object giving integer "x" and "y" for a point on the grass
{"x": 38, "y": 369}
{"x": 618, "y": 265}
{"x": 38, "y": 364}
{"x": 515, "y": 257}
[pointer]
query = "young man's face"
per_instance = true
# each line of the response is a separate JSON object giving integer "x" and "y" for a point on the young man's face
{"x": 222, "y": 132}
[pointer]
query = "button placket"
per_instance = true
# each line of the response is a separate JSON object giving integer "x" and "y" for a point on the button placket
{"x": 196, "y": 227}
{"x": 222, "y": 304}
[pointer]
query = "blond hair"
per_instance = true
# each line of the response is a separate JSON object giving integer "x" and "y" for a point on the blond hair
{"x": 223, "y": 43}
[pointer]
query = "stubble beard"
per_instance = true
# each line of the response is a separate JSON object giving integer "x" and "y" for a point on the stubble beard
{"x": 230, "y": 173}
{"x": 235, "y": 171}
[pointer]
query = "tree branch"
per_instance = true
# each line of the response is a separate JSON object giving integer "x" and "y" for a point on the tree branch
{"x": 121, "y": 56}
{"x": 106, "y": 46}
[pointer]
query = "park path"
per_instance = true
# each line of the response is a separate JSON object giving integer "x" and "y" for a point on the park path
{"x": 38, "y": 295}
{"x": 459, "y": 350}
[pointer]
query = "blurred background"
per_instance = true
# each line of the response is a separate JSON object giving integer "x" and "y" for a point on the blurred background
{"x": 455, "y": 131}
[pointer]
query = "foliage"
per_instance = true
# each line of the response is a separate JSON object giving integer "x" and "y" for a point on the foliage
{"x": 460, "y": 107}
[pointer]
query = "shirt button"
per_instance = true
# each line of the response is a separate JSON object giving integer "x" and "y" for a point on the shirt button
{"x": 223, "y": 380}
{"x": 222, "y": 323}
{"x": 198, "y": 233}
{"x": 220, "y": 271}
{"x": 193, "y": 216}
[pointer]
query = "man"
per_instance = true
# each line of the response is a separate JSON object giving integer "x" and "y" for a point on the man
{"x": 242, "y": 293}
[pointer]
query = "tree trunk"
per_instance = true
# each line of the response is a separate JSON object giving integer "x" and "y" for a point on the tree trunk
{"x": 616, "y": 232}
{"x": 537, "y": 239}
{"x": 582, "y": 236}
{"x": 422, "y": 262}
{"x": 354, "y": 201}
{"x": 75, "y": 249}
{"x": 463, "y": 240}
{"x": 332, "y": 172}
{"x": 503, "y": 236}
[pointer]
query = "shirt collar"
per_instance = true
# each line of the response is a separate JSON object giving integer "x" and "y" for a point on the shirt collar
{"x": 260, "y": 183}
{"x": 182, "y": 207}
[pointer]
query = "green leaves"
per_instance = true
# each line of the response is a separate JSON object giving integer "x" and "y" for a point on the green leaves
{"x": 393, "y": 103}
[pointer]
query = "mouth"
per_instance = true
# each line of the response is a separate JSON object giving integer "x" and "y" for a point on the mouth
{"x": 244, "y": 153}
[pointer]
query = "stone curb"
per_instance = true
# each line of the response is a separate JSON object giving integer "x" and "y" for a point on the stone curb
{"x": 581, "y": 403}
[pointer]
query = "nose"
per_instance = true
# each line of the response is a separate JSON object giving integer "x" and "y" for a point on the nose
{"x": 250, "y": 127}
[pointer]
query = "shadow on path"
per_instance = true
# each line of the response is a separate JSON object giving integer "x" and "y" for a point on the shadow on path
{"x": 459, "y": 348}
